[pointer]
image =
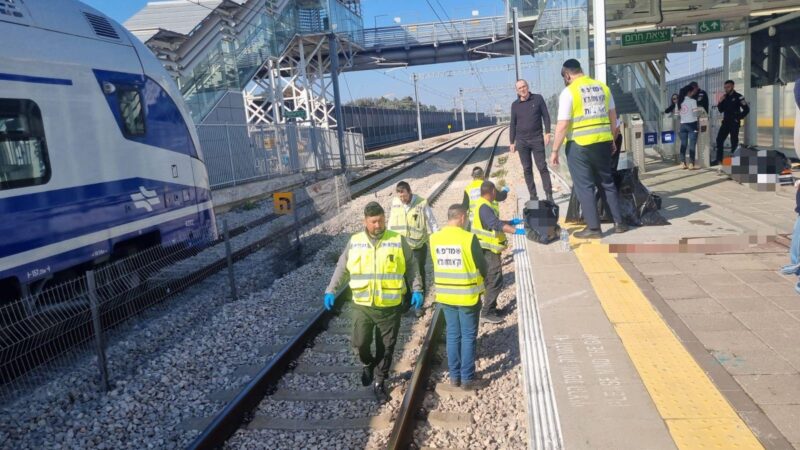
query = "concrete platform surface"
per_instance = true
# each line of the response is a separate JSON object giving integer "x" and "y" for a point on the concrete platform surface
{"x": 678, "y": 336}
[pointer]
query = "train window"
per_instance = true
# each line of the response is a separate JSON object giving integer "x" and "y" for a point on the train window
{"x": 23, "y": 150}
{"x": 130, "y": 107}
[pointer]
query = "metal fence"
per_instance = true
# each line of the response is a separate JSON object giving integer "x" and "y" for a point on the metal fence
{"x": 98, "y": 326}
{"x": 237, "y": 154}
{"x": 384, "y": 126}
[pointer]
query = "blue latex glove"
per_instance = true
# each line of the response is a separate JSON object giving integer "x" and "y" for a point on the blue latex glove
{"x": 329, "y": 300}
{"x": 506, "y": 189}
{"x": 519, "y": 231}
{"x": 515, "y": 221}
{"x": 417, "y": 299}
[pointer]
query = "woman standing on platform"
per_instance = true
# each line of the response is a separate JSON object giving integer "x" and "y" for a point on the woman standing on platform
{"x": 689, "y": 124}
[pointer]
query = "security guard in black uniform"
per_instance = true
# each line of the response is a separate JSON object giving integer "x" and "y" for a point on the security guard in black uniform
{"x": 734, "y": 108}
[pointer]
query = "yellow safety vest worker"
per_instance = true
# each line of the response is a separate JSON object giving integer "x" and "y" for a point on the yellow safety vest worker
{"x": 590, "y": 104}
{"x": 494, "y": 241}
{"x": 457, "y": 279}
{"x": 376, "y": 272}
{"x": 473, "y": 191}
{"x": 412, "y": 224}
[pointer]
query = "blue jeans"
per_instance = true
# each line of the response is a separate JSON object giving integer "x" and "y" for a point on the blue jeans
{"x": 688, "y": 134}
{"x": 794, "y": 249}
{"x": 462, "y": 333}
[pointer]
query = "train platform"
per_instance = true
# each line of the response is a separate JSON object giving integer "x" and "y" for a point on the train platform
{"x": 677, "y": 336}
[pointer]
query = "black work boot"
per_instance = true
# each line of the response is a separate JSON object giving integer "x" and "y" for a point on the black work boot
{"x": 474, "y": 384}
{"x": 490, "y": 316}
{"x": 379, "y": 390}
{"x": 550, "y": 197}
{"x": 621, "y": 227}
{"x": 588, "y": 233}
{"x": 366, "y": 375}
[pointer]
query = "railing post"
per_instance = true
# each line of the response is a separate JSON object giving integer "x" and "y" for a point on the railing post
{"x": 230, "y": 154}
{"x": 97, "y": 325}
{"x": 229, "y": 259}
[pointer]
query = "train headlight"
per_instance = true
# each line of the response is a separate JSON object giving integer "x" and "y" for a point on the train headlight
{"x": 109, "y": 88}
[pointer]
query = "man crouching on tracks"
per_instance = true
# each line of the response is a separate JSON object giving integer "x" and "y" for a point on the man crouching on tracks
{"x": 490, "y": 231}
{"x": 378, "y": 263}
{"x": 458, "y": 272}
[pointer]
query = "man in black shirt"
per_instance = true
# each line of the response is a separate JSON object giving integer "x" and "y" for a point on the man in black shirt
{"x": 700, "y": 95}
{"x": 528, "y": 113}
{"x": 734, "y": 108}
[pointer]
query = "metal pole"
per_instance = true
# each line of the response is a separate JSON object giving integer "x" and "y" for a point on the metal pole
{"x": 461, "y": 100}
{"x": 419, "y": 119}
{"x": 296, "y": 226}
{"x": 229, "y": 258}
{"x": 476, "y": 112}
{"x": 98, "y": 329}
{"x": 276, "y": 108}
{"x": 515, "y": 21}
{"x": 337, "y": 100}
{"x": 599, "y": 22}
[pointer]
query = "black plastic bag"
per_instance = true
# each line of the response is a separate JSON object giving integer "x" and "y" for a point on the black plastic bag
{"x": 638, "y": 205}
{"x": 541, "y": 221}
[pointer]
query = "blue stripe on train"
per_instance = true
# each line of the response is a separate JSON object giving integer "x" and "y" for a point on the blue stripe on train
{"x": 32, "y": 79}
{"x": 172, "y": 232}
{"x": 34, "y": 220}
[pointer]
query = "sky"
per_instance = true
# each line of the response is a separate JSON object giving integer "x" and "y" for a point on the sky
{"x": 437, "y": 91}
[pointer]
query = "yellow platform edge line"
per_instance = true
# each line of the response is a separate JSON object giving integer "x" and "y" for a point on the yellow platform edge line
{"x": 696, "y": 413}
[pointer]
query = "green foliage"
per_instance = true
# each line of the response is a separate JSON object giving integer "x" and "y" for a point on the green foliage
{"x": 502, "y": 160}
{"x": 406, "y": 103}
{"x": 249, "y": 205}
{"x": 500, "y": 173}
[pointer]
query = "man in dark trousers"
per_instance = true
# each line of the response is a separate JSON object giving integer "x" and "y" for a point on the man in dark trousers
{"x": 700, "y": 95}
{"x": 377, "y": 264}
{"x": 490, "y": 230}
{"x": 587, "y": 119}
{"x": 529, "y": 133}
{"x": 734, "y": 108}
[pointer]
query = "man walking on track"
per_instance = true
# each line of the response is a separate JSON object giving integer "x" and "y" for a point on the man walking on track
{"x": 588, "y": 120}
{"x": 529, "y": 133}
{"x": 377, "y": 264}
{"x": 411, "y": 216}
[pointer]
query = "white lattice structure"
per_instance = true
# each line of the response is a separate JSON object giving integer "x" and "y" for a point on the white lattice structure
{"x": 299, "y": 80}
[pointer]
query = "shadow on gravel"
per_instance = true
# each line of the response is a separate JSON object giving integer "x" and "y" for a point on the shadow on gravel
{"x": 500, "y": 341}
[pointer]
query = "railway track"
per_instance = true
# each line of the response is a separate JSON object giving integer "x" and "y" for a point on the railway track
{"x": 161, "y": 279}
{"x": 325, "y": 330}
{"x": 406, "y": 163}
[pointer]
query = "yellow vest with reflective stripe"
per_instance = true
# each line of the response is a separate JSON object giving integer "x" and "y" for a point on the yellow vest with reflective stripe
{"x": 494, "y": 241}
{"x": 413, "y": 225}
{"x": 473, "y": 191}
{"x": 455, "y": 275}
{"x": 590, "y": 104}
{"x": 376, "y": 272}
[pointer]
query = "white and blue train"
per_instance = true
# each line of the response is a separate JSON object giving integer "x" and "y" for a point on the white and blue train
{"x": 98, "y": 153}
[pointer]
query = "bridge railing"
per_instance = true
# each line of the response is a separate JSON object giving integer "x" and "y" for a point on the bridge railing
{"x": 436, "y": 32}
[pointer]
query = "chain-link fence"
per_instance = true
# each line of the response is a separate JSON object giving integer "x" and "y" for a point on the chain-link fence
{"x": 92, "y": 324}
{"x": 237, "y": 154}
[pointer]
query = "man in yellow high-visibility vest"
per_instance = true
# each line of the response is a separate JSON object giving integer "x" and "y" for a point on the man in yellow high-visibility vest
{"x": 411, "y": 217}
{"x": 473, "y": 192}
{"x": 458, "y": 271}
{"x": 490, "y": 230}
{"x": 587, "y": 118}
{"x": 377, "y": 264}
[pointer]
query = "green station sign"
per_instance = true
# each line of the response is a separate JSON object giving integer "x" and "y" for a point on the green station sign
{"x": 295, "y": 114}
{"x": 647, "y": 37}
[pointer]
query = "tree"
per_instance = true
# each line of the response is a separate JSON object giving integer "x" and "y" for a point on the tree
{"x": 405, "y": 103}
